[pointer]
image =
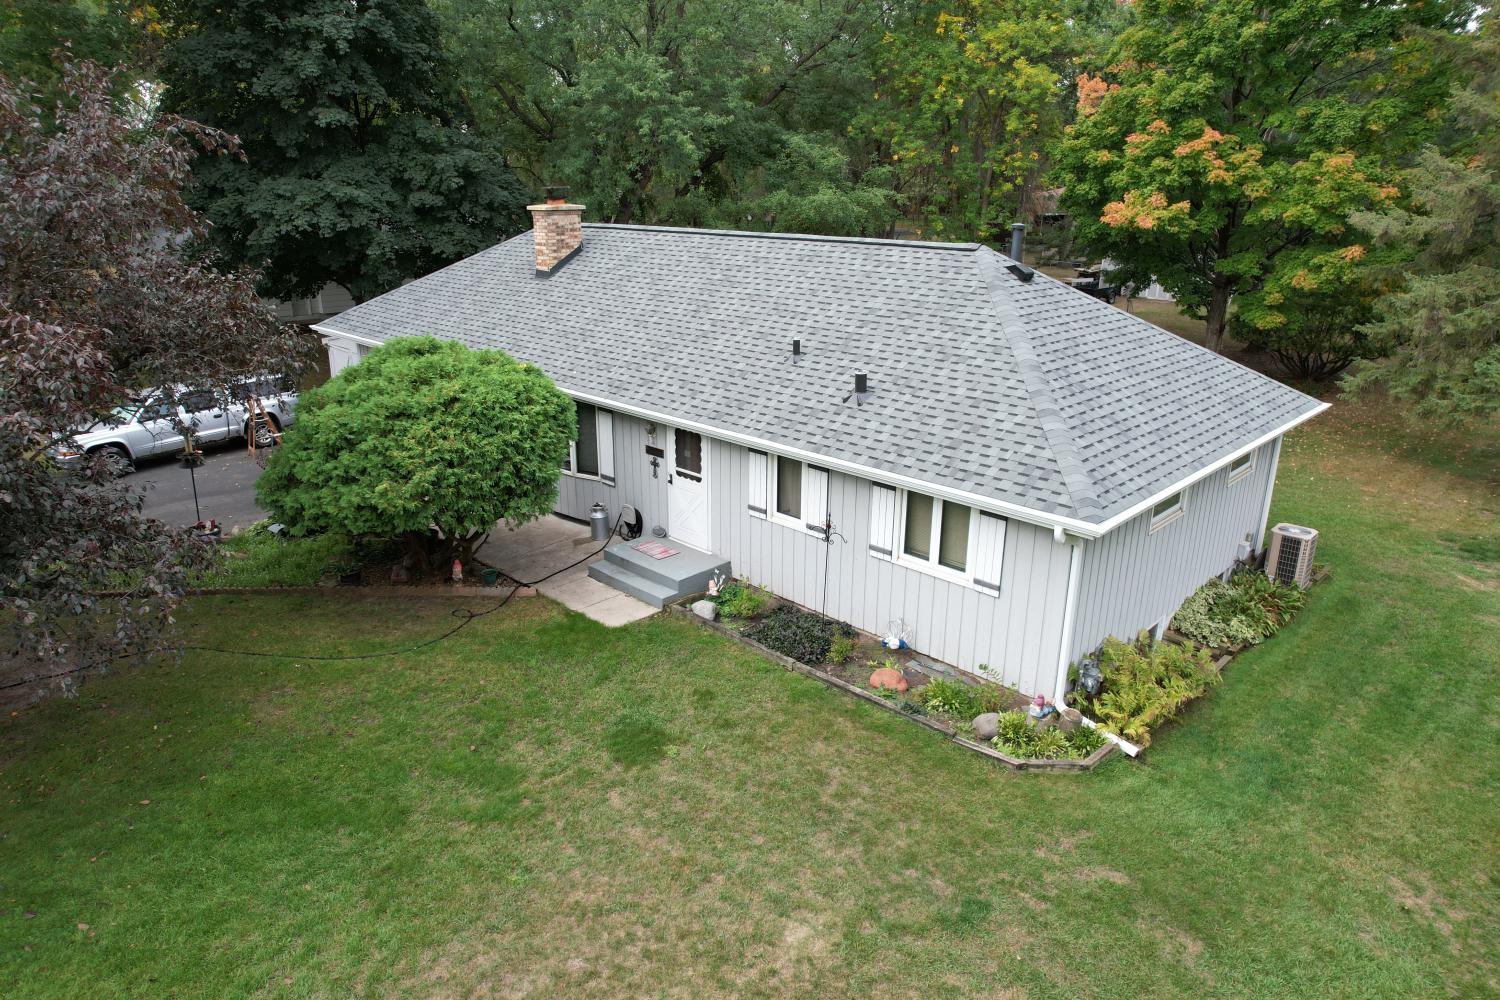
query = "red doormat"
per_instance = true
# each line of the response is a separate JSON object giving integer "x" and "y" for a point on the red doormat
{"x": 656, "y": 550}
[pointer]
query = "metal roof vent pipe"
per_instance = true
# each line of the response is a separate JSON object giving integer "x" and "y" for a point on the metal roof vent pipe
{"x": 1017, "y": 238}
{"x": 861, "y": 391}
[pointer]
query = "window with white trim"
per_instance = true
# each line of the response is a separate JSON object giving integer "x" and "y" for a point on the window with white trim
{"x": 363, "y": 350}
{"x": 591, "y": 455}
{"x": 936, "y": 531}
{"x": 798, "y": 492}
{"x": 1166, "y": 511}
{"x": 938, "y": 536}
{"x": 1240, "y": 467}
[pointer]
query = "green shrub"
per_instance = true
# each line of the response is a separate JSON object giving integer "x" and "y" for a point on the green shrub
{"x": 841, "y": 649}
{"x": 1015, "y": 735}
{"x": 954, "y": 699}
{"x": 1084, "y": 741}
{"x": 1050, "y": 744}
{"x": 1145, "y": 683}
{"x": 802, "y": 635}
{"x": 740, "y": 600}
{"x": 1249, "y": 608}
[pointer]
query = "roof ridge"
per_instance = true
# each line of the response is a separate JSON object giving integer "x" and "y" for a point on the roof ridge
{"x": 1081, "y": 488}
{"x": 801, "y": 237}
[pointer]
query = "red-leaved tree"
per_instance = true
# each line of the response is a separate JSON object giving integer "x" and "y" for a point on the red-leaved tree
{"x": 101, "y": 296}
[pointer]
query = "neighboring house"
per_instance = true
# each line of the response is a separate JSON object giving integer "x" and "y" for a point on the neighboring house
{"x": 1027, "y": 471}
{"x": 331, "y": 300}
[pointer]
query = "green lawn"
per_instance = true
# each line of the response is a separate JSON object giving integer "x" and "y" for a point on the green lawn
{"x": 541, "y": 807}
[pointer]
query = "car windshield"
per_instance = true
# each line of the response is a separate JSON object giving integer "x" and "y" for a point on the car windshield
{"x": 124, "y": 414}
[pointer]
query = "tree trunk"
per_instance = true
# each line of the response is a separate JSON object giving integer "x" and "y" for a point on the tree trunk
{"x": 1218, "y": 314}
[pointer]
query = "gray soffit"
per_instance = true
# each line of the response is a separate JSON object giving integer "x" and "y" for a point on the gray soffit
{"x": 1026, "y": 394}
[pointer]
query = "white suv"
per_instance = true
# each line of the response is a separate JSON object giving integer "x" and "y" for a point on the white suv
{"x": 153, "y": 424}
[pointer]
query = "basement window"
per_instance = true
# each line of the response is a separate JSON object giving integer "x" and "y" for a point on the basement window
{"x": 1166, "y": 511}
{"x": 1240, "y": 467}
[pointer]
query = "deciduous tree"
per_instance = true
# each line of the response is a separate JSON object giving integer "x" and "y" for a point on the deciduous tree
{"x": 695, "y": 113}
{"x": 1225, "y": 147}
{"x": 360, "y": 166}
{"x": 97, "y": 300}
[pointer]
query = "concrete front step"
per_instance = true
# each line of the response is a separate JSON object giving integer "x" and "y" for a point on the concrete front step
{"x": 654, "y": 593}
{"x": 658, "y": 582}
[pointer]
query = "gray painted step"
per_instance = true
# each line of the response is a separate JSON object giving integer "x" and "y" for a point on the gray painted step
{"x": 688, "y": 572}
{"x": 653, "y": 592}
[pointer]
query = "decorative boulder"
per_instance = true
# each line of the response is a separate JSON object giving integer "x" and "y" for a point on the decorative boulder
{"x": 986, "y": 726}
{"x": 706, "y": 610}
{"x": 888, "y": 677}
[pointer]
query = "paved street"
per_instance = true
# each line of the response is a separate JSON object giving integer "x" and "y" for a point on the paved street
{"x": 226, "y": 488}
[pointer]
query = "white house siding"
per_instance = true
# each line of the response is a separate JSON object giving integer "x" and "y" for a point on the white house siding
{"x": 1134, "y": 578}
{"x": 1015, "y": 636}
{"x": 633, "y": 480}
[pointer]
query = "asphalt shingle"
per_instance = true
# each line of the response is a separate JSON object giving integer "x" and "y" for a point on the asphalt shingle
{"x": 1030, "y": 393}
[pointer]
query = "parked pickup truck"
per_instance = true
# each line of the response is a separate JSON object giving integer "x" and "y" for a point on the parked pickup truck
{"x": 152, "y": 425}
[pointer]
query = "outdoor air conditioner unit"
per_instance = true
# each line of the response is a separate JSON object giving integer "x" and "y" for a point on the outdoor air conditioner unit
{"x": 1290, "y": 556}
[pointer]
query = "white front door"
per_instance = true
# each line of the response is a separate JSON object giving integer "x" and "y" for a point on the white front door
{"x": 687, "y": 490}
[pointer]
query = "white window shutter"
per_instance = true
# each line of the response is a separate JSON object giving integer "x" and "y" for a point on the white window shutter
{"x": 882, "y": 521}
{"x": 989, "y": 551}
{"x": 759, "y": 482}
{"x": 815, "y": 497}
{"x": 605, "y": 421}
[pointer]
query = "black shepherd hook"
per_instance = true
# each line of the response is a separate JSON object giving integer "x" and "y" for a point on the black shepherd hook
{"x": 828, "y": 532}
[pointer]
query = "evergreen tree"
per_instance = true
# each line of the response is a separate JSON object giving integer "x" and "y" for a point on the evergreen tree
{"x": 1440, "y": 332}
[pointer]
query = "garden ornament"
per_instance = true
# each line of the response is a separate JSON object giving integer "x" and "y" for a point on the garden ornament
{"x": 1090, "y": 677}
{"x": 897, "y": 635}
{"x": 458, "y": 571}
{"x": 1040, "y": 711}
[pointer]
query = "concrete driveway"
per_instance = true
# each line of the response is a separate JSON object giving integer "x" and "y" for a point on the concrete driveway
{"x": 226, "y": 488}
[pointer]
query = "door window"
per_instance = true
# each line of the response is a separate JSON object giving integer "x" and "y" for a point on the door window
{"x": 689, "y": 446}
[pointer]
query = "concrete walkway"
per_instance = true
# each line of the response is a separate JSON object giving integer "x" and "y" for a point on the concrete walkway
{"x": 539, "y": 548}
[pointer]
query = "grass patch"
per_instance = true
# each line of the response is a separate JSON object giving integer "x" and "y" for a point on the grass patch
{"x": 257, "y": 558}
{"x": 471, "y": 820}
{"x": 634, "y": 739}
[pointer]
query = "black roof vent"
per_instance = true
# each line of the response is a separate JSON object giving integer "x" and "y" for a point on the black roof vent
{"x": 1021, "y": 271}
{"x": 862, "y": 391}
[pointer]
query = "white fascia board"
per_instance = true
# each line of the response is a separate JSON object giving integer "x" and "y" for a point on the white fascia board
{"x": 331, "y": 334}
{"x": 1057, "y": 523}
{"x": 1114, "y": 522}
{"x": 1050, "y": 521}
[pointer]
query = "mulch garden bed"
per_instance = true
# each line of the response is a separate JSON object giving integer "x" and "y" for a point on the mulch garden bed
{"x": 853, "y": 678}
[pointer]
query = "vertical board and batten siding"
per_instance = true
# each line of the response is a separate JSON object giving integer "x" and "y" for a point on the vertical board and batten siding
{"x": 633, "y": 481}
{"x": 1014, "y": 635}
{"x": 1133, "y": 578}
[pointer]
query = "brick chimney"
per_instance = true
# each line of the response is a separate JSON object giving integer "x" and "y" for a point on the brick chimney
{"x": 556, "y": 231}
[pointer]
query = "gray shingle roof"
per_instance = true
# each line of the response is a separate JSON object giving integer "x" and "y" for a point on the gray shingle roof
{"x": 1030, "y": 394}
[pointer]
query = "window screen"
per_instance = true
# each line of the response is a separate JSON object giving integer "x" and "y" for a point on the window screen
{"x": 953, "y": 546}
{"x": 588, "y": 440}
{"x": 788, "y": 486}
{"x": 918, "y": 526}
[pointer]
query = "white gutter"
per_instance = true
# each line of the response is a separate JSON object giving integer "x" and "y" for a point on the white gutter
{"x": 1057, "y": 522}
{"x": 1070, "y": 608}
{"x": 1265, "y": 514}
{"x": 1110, "y": 524}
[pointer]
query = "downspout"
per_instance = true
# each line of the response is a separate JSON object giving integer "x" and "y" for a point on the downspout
{"x": 1075, "y": 570}
{"x": 1265, "y": 514}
